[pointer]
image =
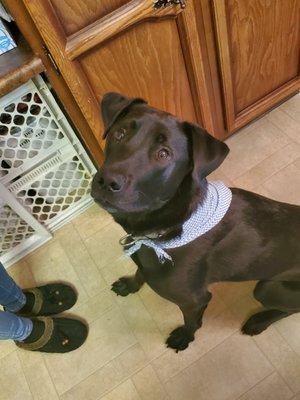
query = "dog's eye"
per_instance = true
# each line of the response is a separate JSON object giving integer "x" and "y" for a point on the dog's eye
{"x": 160, "y": 138}
{"x": 120, "y": 134}
{"x": 163, "y": 154}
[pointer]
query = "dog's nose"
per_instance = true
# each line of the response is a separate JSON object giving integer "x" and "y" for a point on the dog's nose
{"x": 112, "y": 182}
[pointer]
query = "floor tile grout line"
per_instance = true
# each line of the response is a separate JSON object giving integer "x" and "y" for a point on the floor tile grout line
{"x": 272, "y": 174}
{"x": 280, "y": 128}
{"x": 226, "y": 307}
{"x": 119, "y": 307}
{"x": 291, "y": 348}
{"x": 273, "y": 363}
{"x": 92, "y": 297}
{"x": 148, "y": 363}
{"x": 284, "y": 339}
{"x": 127, "y": 377}
{"x": 266, "y": 180}
{"x": 117, "y": 260}
{"x": 256, "y": 384}
{"x": 105, "y": 265}
{"x": 161, "y": 383}
{"x": 22, "y": 368}
{"x": 249, "y": 128}
{"x": 100, "y": 367}
{"x": 6, "y": 354}
{"x": 56, "y": 238}
{"x": 87, "y": 237}
{"x": 276, "y": 369}
{"x": 288, "y": 114}
{"x": 271, "y": 154}
{"x": 48, "y": 371}
{"x": 162, "y": 333}
{"x": 115, "y": 387}
{"x": 202, "y": 355}
{"x": 31, "y": 271}
{"x": 123, "y": 351}
{"x": 108, "y": 362}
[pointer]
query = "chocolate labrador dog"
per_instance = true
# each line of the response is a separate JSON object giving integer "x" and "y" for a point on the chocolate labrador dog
{"x": 152, "y": 180}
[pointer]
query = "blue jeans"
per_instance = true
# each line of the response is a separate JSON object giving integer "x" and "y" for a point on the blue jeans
{"x": 13, "y": 299}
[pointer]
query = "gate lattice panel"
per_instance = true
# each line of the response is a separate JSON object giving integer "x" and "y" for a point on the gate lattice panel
{"x": 45, "y": 173}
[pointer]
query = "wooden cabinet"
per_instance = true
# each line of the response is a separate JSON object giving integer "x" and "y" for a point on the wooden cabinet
{"x": 258, "y": 43}
{"x": 133, "y": 48}
{"x": 220, "y": 63}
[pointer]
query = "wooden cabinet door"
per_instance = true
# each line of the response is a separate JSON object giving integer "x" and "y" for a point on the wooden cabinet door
{"x": 258, "y": 44}
{"x": 130, "y": 47}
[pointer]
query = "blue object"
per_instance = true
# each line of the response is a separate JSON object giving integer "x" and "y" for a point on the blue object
{"x": 13, "y": 299}
{"x": 6, "y": 41}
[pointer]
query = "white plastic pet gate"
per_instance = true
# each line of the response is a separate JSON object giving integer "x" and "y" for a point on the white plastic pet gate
{"x": 45, "y": 174}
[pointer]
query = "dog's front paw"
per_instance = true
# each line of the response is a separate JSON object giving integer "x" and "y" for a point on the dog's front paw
{"x": 123, "y": 286}
{"x": 180, "y": 338}
{"x": 254, "y": 325}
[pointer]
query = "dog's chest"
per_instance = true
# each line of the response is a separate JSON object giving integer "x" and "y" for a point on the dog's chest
{"x": 168, "y": 278}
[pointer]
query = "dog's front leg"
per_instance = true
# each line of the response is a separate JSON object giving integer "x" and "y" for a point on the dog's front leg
{"x": 128, "y": 284}
{"x": 192, "y": 311}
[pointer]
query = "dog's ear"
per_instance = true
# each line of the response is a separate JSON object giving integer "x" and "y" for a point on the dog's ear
{"x": 112, "y": 105}
{"x": 208, "y": 152}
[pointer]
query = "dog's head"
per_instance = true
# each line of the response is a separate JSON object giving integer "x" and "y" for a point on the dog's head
{"x": 148, "y": 155}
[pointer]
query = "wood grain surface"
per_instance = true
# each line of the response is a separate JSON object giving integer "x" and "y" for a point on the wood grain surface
{"x": 77, "y": 14}
{"x": 18, "y": 66}
{"x": 264, "y": 46}
{"x": 258, "y": 44}
{"x": 132, "y": 13}
{"x": 146, "y": 61}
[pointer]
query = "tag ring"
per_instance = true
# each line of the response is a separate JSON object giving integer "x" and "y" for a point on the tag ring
{"x": 127, "y": 240}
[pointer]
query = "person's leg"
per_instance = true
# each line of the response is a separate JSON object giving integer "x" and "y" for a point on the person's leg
{"x": 14, "y": 327}
{"x": 11, "y": 296}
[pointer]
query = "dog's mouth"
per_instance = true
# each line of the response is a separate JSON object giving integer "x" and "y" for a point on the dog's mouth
{"x": 115, "y": 205}
{"x": 137, "y": 203}
{"x": 106, "y": 206}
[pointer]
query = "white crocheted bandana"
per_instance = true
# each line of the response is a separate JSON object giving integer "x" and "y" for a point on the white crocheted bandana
{"x": 207, "y": 215}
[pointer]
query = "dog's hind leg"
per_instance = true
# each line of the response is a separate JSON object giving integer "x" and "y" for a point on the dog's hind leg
{"x": 280, "y": 300}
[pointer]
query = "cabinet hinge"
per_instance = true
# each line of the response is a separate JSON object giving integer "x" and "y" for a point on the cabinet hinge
{"x": 51, "y": 59}
{"x": 165, "y": 3}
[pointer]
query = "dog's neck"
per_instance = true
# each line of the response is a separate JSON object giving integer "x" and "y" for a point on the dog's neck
{"x": 167, "y": 221}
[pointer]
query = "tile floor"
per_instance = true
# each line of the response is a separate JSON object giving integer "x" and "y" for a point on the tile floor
{"x": 125, "y": 357}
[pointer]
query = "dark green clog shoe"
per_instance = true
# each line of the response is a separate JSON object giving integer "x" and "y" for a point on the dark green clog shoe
{"x": 59, "y": 335}
{"x": 50, "y": 299}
